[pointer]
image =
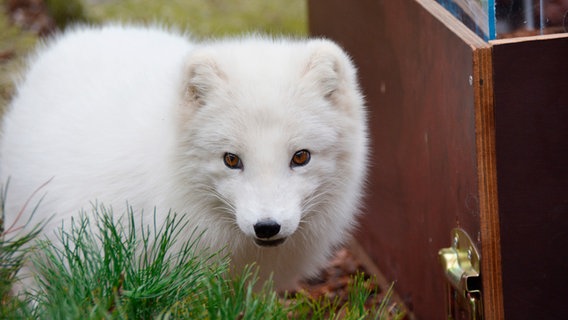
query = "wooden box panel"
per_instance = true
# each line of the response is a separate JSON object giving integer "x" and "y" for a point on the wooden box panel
{"x": 531, "y": 117}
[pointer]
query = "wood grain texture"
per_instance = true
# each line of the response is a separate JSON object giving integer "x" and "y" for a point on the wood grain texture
{"x": 487, "y": 182}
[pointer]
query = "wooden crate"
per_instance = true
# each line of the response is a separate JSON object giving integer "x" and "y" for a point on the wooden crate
{"x": 465, "y": 134}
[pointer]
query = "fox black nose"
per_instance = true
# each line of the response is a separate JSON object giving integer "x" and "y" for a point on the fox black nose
{"x": 266, "y": 229}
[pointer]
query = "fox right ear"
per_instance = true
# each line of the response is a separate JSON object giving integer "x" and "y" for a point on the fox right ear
{"x": 202, "y": 76}
{"x": 330, "y": 71}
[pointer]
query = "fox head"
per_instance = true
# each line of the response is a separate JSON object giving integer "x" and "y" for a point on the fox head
{"x": 273, "y": 132}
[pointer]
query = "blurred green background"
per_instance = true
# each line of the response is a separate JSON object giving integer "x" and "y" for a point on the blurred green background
{"x": 21, "y": 21}
{"x": 208, "y": 17}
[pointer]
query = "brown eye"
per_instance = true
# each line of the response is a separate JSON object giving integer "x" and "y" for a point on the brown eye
{"x": 232, "y": 161}
{"x": 300, "y": 158}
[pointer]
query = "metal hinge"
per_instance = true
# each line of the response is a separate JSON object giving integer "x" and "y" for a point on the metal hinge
{"x": 461, "y": 266}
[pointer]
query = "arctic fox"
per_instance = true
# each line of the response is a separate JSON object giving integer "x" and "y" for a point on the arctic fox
{"x": 262, "y": 142}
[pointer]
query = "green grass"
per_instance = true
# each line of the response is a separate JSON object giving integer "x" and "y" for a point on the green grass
{"x": 109, "y": 268}
{"x": 14, "y": 250}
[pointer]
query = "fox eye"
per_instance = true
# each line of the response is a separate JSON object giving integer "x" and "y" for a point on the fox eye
{"x": 232, "y": 161}
{"x": 300, "y": 158}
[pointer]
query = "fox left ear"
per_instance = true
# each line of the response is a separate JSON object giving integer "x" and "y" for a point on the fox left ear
{"x": 330, "y": 71}
{"x": 203, "y": 76}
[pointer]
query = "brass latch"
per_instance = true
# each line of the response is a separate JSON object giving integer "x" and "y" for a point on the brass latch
{"x": 461, "y": 266}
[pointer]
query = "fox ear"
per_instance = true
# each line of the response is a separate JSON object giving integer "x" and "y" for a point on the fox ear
{"x": 329, "y": 70}
{"x": 202, "y": 76}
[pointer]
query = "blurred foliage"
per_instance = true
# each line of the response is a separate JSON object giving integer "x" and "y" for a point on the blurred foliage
{"x": 14, "y": 44}
{"x": 66, "y": 12}
{"x": 207, "y": 17}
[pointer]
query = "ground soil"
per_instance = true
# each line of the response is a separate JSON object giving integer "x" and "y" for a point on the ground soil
{"x": 333, "y": 282}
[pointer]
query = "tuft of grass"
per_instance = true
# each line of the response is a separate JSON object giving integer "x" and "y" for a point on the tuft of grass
{"x": 104, "y": 267}
{"x": 12, "y": 253}
{"x": 115, "y": 269}
{"x": 14, "y": 248}
{"x": 360, "y": 289}
{"x": 233, "y": 298}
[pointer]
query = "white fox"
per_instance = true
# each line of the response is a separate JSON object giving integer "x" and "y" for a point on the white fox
{"x": 261, "y": 142}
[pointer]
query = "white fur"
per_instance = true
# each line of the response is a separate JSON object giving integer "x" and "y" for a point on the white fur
{"x": 141, "y": 115}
